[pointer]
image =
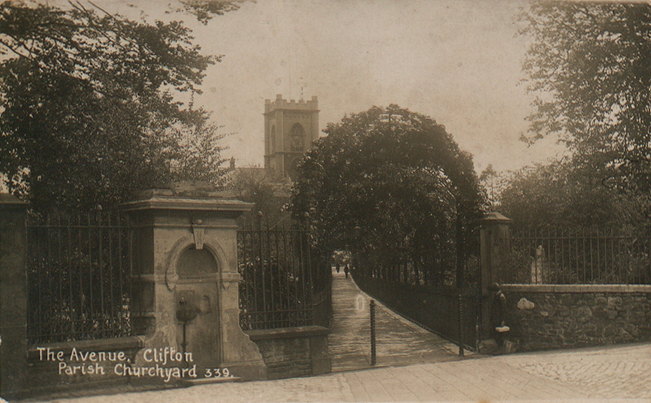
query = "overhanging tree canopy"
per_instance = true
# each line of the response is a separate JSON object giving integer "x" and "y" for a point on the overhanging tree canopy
{"x": 88, "y": 107}
{"x": 388, "y": 180}
{"x": 590, "y": 63}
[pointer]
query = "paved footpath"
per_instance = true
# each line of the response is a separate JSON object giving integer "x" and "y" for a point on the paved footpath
{"x": 416, "y": 366}
{"x": 398, "y": 341}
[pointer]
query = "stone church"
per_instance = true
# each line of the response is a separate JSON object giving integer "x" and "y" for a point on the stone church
{"x": 290, "y": 128}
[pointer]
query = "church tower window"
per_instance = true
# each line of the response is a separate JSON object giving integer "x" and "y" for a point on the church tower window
{"x": 297, "y": 137}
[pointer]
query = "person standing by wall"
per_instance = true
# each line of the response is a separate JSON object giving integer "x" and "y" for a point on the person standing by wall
{"x": 498, "y": 320}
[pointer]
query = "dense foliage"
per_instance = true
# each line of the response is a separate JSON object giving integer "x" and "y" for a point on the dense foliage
{"x": 567, "y": 196}
{"x": 269, "y": 194}
{"x": 391, "y": 183}
{"x": 89, "y": 105}
{"x": 568, "y": 228}
{"x": 590, "y": 64}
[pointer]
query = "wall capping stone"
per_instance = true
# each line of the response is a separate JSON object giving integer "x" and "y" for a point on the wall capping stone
{"x": 8, "y": 200}
{"x": 575, "y": 288}
{"x": 287, "y": 332}
{"x": 186, "y": 204}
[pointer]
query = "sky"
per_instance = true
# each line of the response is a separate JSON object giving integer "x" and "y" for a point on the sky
{"x": 458, "y": 62}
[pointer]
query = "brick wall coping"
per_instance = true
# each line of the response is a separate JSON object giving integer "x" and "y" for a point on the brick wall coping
{"x": 576, "y": 288}
{"x": 119, "y": 343}
{"x": 288, "y": 332}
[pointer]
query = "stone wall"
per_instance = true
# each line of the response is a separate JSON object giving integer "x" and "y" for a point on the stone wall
{"x": 293, "y": 352}
{"x": 570, "y": 316}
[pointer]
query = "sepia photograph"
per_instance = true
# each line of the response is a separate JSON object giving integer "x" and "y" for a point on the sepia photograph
{"x": 325, "y": 201}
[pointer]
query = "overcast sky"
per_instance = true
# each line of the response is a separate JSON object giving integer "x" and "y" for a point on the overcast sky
{"x": 457, "y": 61}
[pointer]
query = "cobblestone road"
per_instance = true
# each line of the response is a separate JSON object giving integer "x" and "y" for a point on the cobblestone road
{"x": 614, "y": 372}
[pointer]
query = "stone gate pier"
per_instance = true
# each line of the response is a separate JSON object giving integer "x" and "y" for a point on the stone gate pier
{"x": 186, "y": 281}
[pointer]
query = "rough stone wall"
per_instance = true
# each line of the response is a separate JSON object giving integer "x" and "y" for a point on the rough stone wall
{"x": 578, "y": 316}
{"x": 293, "y": 352}
{"x": 286, "y": 358}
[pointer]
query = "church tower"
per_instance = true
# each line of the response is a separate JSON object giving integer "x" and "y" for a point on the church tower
{"x": 290, "y": 128}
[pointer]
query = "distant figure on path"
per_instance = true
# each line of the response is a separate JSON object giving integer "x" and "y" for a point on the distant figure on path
{"x": 337, "y": 267}
{"x": 346, "y": 270}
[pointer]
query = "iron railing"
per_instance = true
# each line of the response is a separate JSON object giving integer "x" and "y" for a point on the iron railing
{"x": 79, "y": 270}
{"x": 448, "y": 312}
{"x": 578, "y": 256}
{"x": 439, "y": 290}
{"x": 278, "y": 268}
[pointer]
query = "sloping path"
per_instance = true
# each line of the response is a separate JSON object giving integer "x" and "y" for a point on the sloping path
{"x": 399, "y": 342}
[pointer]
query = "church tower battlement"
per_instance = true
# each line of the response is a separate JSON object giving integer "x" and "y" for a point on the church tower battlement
{"x": 290, "y": 129}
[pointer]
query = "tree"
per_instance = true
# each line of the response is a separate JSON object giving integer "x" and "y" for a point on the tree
{"x": 89, "y": 112}
{"x": 197, "y": 153}
{"x": 563, "y": 195}
{"x": 266, "y": 191}
{"x": 590, "y": 64}
{"x": 204, "y": 10}
{"x": 391, "y": 183}
{"x": 492, "y": 183}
